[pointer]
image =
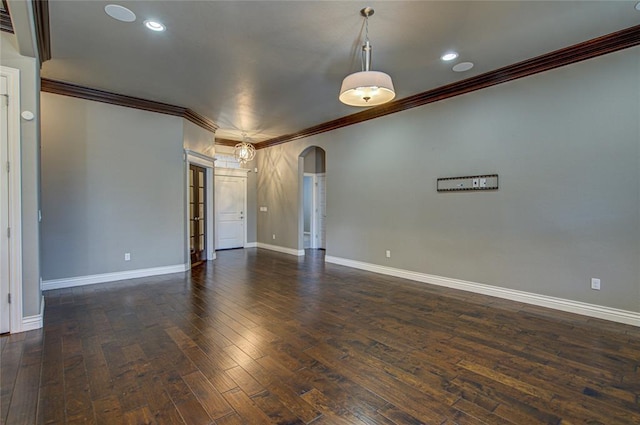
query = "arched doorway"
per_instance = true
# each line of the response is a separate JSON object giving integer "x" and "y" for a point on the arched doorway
{"x": 313, "y": 208}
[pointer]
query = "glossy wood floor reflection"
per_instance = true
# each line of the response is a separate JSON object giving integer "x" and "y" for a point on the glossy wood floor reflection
{"x": 258, "y": 337}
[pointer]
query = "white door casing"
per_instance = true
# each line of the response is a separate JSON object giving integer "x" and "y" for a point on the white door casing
{"x": 320, "y": 189}
{"x": 231, "y": 208}
{"x": 11, "y": 202}
{"x": 312, "y": 212}
{"x": 208, "y": 163}
{"x": 5, "y": 307}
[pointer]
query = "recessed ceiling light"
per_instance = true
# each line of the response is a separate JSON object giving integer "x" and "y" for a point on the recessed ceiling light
{"x": 120, "y": 13}
{"x": 154, "y": 25}
{"x": 449, "y": 56}
{"x": 462, "y": 66}
{"x": 638, "y": 6}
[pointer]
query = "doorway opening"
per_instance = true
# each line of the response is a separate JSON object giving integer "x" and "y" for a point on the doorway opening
{"x": 313, "y": 211}
{"x": 197, "y": 214}
{"x": 199, "y": 209}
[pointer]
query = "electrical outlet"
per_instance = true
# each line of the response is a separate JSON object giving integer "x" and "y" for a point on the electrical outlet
{"x": 127, "y": 256}
{"x": 595, "y": 284}
{"x": 388, "y": 253}
{"x": 274, "y": 236}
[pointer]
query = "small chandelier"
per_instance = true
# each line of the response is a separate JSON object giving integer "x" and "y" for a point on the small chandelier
{"x": 244, "y": 151}
{"x": 367, "y": 88}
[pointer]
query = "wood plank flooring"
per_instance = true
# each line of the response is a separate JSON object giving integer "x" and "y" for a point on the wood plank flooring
{"x": 258, "y": 337}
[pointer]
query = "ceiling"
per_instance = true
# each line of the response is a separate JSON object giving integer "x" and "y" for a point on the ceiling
{"x": 270, "y": 68}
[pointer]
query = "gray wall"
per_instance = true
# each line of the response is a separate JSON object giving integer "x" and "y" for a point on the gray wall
{"x": 310, "y": 159}
{"x": 252, "y": 206}
{"x": 314, "y": 160}
{"x": 112, "y": 182}
{"x": 30, "y": 146}
{"x": 566, "y": 144}
{"x": 307, "y": 199}
{"x": 279, "y": 189}
{"x": 198, "y": 139}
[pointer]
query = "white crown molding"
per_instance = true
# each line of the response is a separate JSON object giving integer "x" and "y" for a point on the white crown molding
{"x": 290, "y": 251}
{"x": 71, "y": 282}
{"x": 585, "y": 309}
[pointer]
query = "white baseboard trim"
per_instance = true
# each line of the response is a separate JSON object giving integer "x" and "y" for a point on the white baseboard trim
{"x": 585, "y": 309}
{"x": 31, "y": 323}
{"x": 111, "y": 277}
{"x": 291, "y": 251}
{"x": 251, "y": 245}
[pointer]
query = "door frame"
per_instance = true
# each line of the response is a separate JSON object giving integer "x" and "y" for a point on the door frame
{"x": 314, "y": 206}
{"x": 206, "y": 162}
{"x": 242, "y": 174}
{"x": 15, "y": 197}
{"x": 300, "y": 194}
{"x": 316, "y": 216}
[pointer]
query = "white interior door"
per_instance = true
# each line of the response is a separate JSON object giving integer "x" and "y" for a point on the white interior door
{"x": 230, "y": 211}
{"x": 5, "y": 312}
{"x": 321, "y": 210}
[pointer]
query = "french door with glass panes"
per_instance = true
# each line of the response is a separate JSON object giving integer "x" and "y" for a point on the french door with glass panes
{"x": 197, "y": 214}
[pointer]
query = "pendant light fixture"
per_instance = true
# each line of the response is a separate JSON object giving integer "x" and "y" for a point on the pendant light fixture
{"x": 244, "y": 151}
{"x": 367, "y": 88}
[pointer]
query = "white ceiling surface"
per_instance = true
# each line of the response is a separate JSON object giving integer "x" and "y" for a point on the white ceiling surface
{"x": 270, "y": 68}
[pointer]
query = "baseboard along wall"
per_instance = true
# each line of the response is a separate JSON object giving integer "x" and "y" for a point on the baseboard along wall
{"x": 285, "y": 250}
{"x": 111, "y": 277}
{"x": 570, "y": 306}
{"x": 31, "y": 323}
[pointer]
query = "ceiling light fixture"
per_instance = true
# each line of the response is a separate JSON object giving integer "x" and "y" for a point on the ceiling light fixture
{"x": 638, "y": 6}
{"x": 154, "y": 25}
{"x": 449, "y": 56}
{"x": 462, "y": 66}
{"x": 120, "y": 13}
{"x": 244, "y": 151}
{"x": 367, "y": 88}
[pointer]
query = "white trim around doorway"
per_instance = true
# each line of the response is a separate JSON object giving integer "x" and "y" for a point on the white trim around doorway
{"x": 15, "y": 196}
{"x": 207, "y": 162}
{"x": 313, "y": 241}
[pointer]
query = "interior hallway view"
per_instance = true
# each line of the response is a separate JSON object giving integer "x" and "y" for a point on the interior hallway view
{"x": 260, "y": 337}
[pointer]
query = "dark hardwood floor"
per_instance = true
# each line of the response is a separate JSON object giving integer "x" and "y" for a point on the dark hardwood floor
{"x": 261, "y": 337}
